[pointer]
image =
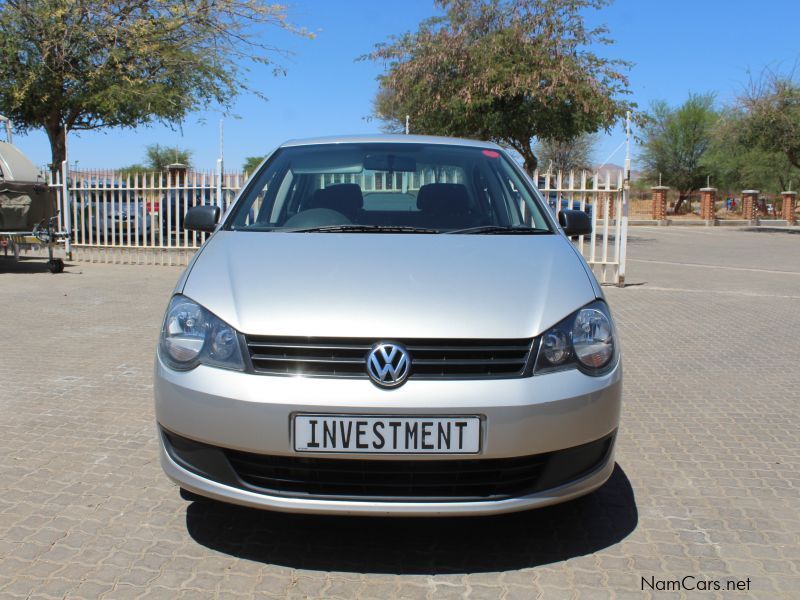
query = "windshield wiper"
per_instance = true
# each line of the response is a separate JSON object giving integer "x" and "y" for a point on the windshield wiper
{"x": 351, "y": 228}
{"x": 500, "y": 229}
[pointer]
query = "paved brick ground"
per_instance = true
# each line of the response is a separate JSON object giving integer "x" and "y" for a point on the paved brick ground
{"x": 707, "y": 483}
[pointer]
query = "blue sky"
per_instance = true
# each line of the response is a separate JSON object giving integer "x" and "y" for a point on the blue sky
{"x": 677, "y": 47}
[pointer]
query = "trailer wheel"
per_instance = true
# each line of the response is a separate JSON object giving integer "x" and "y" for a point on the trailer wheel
{"x": 56, "y": 265}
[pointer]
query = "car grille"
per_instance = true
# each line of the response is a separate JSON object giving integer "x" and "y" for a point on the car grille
{"x": 430, "y": 358}
{"x": 391, "y": 480}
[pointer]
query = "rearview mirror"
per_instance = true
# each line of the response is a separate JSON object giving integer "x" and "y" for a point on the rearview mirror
{"x": 201, "y": 218}
{"x": 575, "y": 222}
{"x": 390, "y": 162}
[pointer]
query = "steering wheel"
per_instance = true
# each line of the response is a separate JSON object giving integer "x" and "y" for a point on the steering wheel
{"x": 317, "y": 217}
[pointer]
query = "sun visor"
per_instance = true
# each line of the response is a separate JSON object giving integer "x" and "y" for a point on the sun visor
{"x": 341, "y": 163}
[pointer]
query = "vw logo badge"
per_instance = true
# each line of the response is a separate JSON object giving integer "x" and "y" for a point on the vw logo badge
{"x": 388, "y": 364}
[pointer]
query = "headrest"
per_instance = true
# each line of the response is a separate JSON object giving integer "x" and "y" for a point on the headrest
{"x": 345, "y": 198}
{"x": 443, "y": 198}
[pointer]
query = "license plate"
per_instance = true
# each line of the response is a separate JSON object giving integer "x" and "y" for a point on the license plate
{"x": 371, "y": 434}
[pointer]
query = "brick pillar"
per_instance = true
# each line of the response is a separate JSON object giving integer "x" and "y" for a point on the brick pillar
{"x": 612, "y": 203}
{"x": 659, "y": 202}
{"x": 708, "y": 199}
{"x": 789, "y": 204}
{"x": 750, "y": 204}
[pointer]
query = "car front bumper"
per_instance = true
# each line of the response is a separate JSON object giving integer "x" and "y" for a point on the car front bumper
{"x": 521, "y": 417}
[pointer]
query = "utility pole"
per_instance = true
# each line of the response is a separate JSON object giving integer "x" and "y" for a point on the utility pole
{"x": 65, "y": 210}
{"x": 222, "y": 141}
{"x": 221, "y": 164}
{"x": 622, "y": 242}
{"x": 66, "y": 144}
{"x": 7, "y": 121}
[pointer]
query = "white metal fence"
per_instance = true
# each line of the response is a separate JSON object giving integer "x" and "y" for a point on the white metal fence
{"x": 139, "y": 218}
{"x": 601, "y": 194}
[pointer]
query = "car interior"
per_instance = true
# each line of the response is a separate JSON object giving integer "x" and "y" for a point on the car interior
{"x": 387, "y": 190}
{"x": 436, "y": 205}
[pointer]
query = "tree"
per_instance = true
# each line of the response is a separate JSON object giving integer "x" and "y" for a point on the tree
{"x": 251, "y": 163}
{"x": 567, "y": 156}
{"x": 674, "y": 141}
{"x": 131, "y": 170}
{"x": 92, "y": 64}
{"x": 159, "y": 157}
{"x": 738, "y": 164}
{"x": 771, "y": 116}
{"x": 504, "y": 70}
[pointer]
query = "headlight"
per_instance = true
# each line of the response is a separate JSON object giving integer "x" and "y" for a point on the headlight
{"x": 191, "y": 336}
{"x": 555, "y": 346}
{"x": 593, "y": 338}
{"x": 585, "y": 340}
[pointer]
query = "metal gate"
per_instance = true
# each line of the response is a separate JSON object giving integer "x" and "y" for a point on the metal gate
{"x": 602, "y": 196}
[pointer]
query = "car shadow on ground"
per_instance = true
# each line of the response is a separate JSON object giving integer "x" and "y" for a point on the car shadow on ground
{"x": 420, "y": 545}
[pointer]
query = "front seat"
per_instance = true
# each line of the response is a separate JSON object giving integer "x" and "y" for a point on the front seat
{"x": 444, "y": 205}
{"x": 345, "y": 198}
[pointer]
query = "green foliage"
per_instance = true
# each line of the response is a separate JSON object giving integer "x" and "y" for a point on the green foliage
{"x": 91, "y": 64}
{"x": 505, "y": 70}
{"x": 561, "y": 156}
{"x": 251, "y": 163}
{"x": 771, "y": 120}
{"x": 159, "y": 157}
{"x": 739, "y": 164}
{"x": 674, "y": 141}
{"x": 134, "y": 169}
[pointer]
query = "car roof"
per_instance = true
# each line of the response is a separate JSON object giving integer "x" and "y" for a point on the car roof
{"x": 390, "y": 139}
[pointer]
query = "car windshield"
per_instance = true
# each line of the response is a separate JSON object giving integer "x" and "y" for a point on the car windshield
{"x": 388, "y": 188}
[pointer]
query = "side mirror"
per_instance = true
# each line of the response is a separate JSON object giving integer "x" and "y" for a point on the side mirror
{"x": 575, "y": 222}
{"x": 201, "y": 218}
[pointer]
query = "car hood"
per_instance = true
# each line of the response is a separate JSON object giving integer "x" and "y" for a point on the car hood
{"x": 389, "y": 285}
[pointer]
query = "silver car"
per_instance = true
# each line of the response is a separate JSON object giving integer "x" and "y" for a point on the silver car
{"x": 388, "y": 325}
